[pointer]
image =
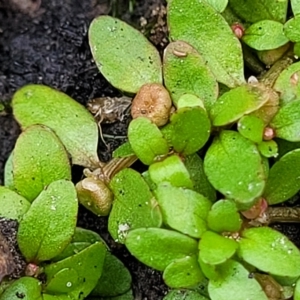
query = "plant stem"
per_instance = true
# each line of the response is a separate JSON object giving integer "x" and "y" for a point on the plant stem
{"x": 282, "y": 215}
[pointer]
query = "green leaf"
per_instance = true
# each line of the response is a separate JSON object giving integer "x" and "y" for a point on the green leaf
{"x": 218, "y": 5}
{"x": 157, "y": 247}
{"x": 120, "y": 49}
{"x": 264, "y": 247}
{"x": 12, "y": 205}
{"x": 25, "y": 288}
{"x": 210, "y": 271}
{"x": 39, "y": 158}
{"x": 297, "y": 49}
{"x": 123, "y": 151}
{"x": 74, "y": 125}
{"x": 194, "y": 164}
{"x": 234, "y": 167}
{"x": 291, "y": 29}
{"x": 8, "y": 172}
{"x": 190, "y": 129}
{"x": 285, "y": 147}
{"x": 115, "y": 279}
{"x": 182, "y": 209}
{"x": 216, "y": 249}
{"x": 56, "y": 297}
{"x": 224, "y": 216}
{"x": 48, "y": 226}
{"x": 295, "y": 7}
{"x": 239, "y": 101}
{"x": 234, "y": 283}
{"x": 134, "y": 205}
{"x": 286, "y": 122}
{"x": 87, "y": 264}
{"x": 251, "y": 127}
{"x": 184, "y": 295}
{"x": 268, "y": 148}
{"x": 283, "y": 181}
{"x": 287, "y": 83}
{"x": 265, "y": 35}
{"x": 146, "y": 140}
{"x": 198, "y": 24}
{"x": 81, "y": 239}
{"x": 183, "y": 272}
{"x": 256, "y": 10}
{"x": 297, "y": 291}
{"x": 186, "y": 72}
{"x": 172, "y": 170}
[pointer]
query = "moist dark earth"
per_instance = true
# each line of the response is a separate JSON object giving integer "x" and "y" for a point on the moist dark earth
{"x": 46, "y": 42}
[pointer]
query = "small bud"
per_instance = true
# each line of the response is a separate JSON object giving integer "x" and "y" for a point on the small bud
{"x": 269, "y": 134}
{"x": 238, "y": 30}
{"x": 32, "y": 270}
{"x": 256, "y": 210}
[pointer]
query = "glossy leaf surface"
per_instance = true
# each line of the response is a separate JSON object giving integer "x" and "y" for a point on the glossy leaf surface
{"x": 287, "y": 83}
{"x": 146, "y": 140}
{"x": 237, "y": 102}
{"x": 197, "y": 23}
{"x": 157, "y": 247}
{"x": 186, "y": 72}
{"x": 134, "y": 205}
{"x": 224, "y": 216}
{"x": 48, "y": 226}
{"x": 87, "y": 264}
{"x": 283, "y": 180}
{"x": 116, "y": 45}
{"x": 286, "y": 122}
{"x": 184, "y": 295}
{"x": 234, "y": 167}
{"x": 291, "y": 29}
{"x": 265, "y": 35}
{"x": 172, "y": 170}
{"x": 182, "y": 209}
{"x": 184, "y": 272}
{"x": 12, "y": 205}
{"x": 72, "y": 123}
{"x": 234, "y": 283}
{"x": 256, "y": 10}
{"x": 39, "y": 158}
{"x": 216, "y": 249}
{"x": 295, "y": 6}
{"x": 268, "y": 148}
{"x": 263, "y": 246}
{"x": 218, "y": 5}
{"x": 251, "y": 127}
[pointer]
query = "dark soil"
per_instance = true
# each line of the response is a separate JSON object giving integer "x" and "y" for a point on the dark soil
{"x": 47, "y": 43}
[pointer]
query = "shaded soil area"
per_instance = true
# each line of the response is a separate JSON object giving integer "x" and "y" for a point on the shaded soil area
{"x": 46, "y": 42}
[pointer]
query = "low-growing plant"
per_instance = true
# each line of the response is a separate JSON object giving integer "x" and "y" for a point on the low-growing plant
{"x": 219, "y": 152}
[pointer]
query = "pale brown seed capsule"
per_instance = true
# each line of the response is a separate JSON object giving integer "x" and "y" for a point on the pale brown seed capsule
{"x": 153, "y": 102}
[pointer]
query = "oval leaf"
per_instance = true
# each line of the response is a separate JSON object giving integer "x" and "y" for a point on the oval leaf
{"x": 264, "y": 247}
{"x": 186, "y": 72}
{"x": 172, "y": 170}
{"x": 295, "y": 6}
{"x": 268, "y": 148}
{"x": 283, "y": 180}
{"x": 234, "y": 167}
{"x": 190, "y": 129}
{"x": 25, "y": 288}
{"x": 224, "y": 216}
{"x": 265, "y": 35}
{"x": 48, "y": 226}
{"x": 234, "y": 283}
{"x": 287, "y": 83}
{"x": 286, "y": 122}
{"x": 134, "y": 205}
{"x": 182, "y": 209}
{"x": 146, "y": 140}
{"x": 12, "y": 205}
{"x": 218, "y": 5}
{"x": 184, "y": 295}
{"x": 120, "y": 49}
{"x": 264, "y": 10}
{"x": 216, "y": 249}
{"x": 197, "y": 23}
{"x": 87, "y": 264}
{"x": 252, "y": 128}
{"x": 232, "y": 105}
{"x": 74, "y": 125}
{"x": 39, "y": 158}
{"x": 157, "y": 248}
{"x": 291, "y": 29}
{"x": 184, "y": 272}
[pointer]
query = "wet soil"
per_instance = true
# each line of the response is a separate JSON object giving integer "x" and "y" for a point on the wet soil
{"x": 46, "y": 42}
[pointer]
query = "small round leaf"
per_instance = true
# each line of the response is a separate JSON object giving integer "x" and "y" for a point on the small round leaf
{"x": 292, "y": 28}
